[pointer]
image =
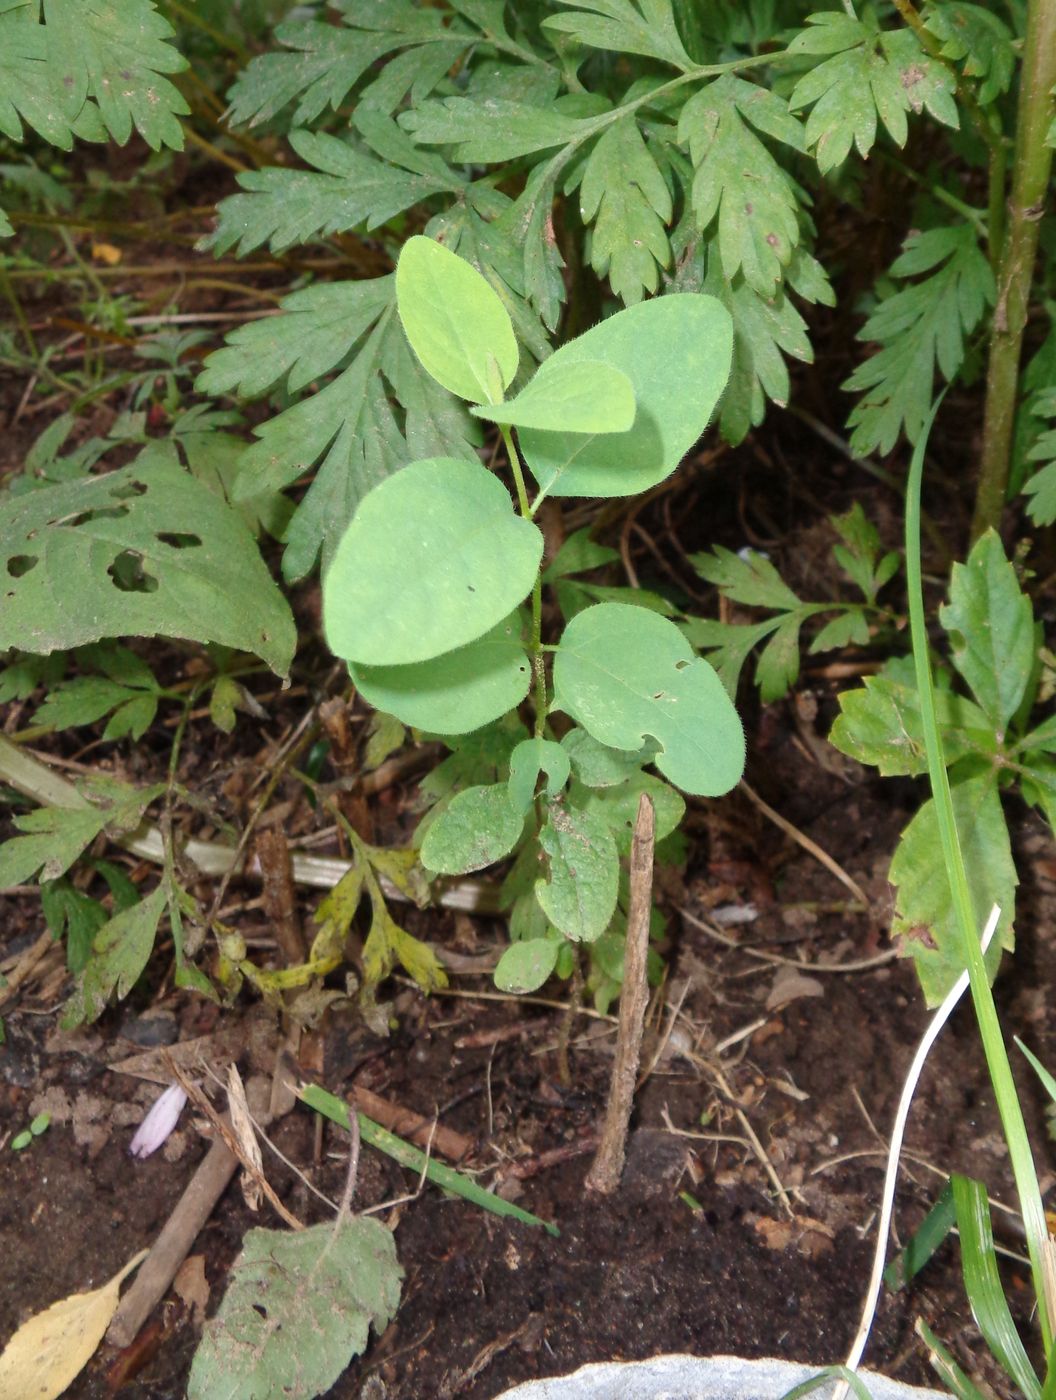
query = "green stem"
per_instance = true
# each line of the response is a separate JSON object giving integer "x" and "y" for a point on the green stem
{"x": 1008, "y": 1105}
{"x": 536, "y": 643}
{"x": 1031, "y": 166}
{"x": 995, "y": 217}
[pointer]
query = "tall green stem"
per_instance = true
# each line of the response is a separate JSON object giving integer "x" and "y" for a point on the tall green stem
{"x": 536, "y": 645}
{"x": 1005, "y": 1096}
{"x": 1031, "y": 166}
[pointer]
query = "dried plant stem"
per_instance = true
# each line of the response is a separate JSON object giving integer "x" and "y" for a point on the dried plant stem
{"x": 604, "y": 1175}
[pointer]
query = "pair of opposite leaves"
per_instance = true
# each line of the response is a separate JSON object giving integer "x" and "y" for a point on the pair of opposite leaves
{"x": 422, "y": 594}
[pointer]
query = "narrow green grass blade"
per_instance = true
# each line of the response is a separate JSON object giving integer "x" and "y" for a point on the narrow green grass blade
{"x": 982, "y": 1283}
{"x": 923, "y": 1243}
{"x": 445, "y": 1177}
{"x": 1039, "y": 1069}
{"x": 830, "y": 1373}
{"x": 1048, "y": 1390}
{"x": 951, "y": 1375}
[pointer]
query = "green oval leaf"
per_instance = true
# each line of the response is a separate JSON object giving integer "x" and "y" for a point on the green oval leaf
{"x": 589, "y": 397}
{"x": 524, "y": 967}
{"x": 617, "y": 806}
{"x": 676, "y": 350}
{"x": 434, "y": 558}
{"x": 529, "y": 758}
{"x": 625, "y": 673}
{"x": 579, "y": 898}
{"x": 478, "y": 828}
{"x": 455, "y": 693}
{"x": 455, "y": 321}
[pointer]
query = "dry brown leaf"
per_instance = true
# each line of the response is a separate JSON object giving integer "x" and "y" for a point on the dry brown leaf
{"x": 790, "y": 985}
{"x": 243, "y": 1129}
{"x": 107, "y": 253}
{"x": 192, "y": 1287}
{"x": 49, "y": 1352}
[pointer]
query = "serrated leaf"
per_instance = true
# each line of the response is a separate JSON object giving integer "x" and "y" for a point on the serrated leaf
{"x": 920, "y": 327}
{"x": 346, "y": 189}
{"x": 626, "y": 674}
{"x": 738, "y": 181}
{"x": 777, "y": 668}
{"x": 120, "y": 951}
{"x": 474, "y": 561}
{"x": 880, "y": 725}
{"x": 617, "y": 806}
{"x": 978, "y": 38}
{"x": 114, "y": 53}
{"x": 748, "y": 578}
{"x": 476, "y": 829}
{"x": 991, "y": 624}
{"x": 864, "y": 74}
{"x": 625, "y": 200}
{"x": 646, "y": 27}
{"x": 152, "y": 551}
{"x": 1041, "y": 486}
{"x": 530, "y": 758}
{"x": 387, "y": 944}
{"x": 847, "y": 628}
{"x": 643, "y": 341}
{"x": 457, "y": 692}
{"x": 492, "y": 130}
{"x": 588, "y": 397}
{"x": 27, "y": 90}
{"x": 455, "y": 321}
{"x": 299, "y": 1306}
{"x": 53, "y": 837}
{"x": 326, "y": 62}
{"x": 727, "y": 645}
{"x": 72, "y": 916}
{"x": 579, "y": 895}
{"x": 925, "y": 921}
{"x": 577, "y": 554}
{"x": 526, "y": 965}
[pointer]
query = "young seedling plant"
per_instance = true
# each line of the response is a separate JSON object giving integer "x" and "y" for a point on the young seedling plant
{"x": 434, "y": 597}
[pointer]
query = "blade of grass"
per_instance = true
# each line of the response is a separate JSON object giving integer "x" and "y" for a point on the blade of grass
{"x": 982, "y": 1283}
{"x": 1008, "y": 1105}
{"x": 924, "y": 1241}
{"x": 947, "y": 1369}
{"x": 445, "y": 1177}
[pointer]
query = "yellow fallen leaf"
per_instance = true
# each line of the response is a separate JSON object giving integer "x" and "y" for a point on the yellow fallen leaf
{"x": 50, "y": 1351}
{"x": 107, "y": 253}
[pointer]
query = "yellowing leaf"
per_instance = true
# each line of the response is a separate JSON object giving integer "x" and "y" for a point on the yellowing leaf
{"x": 51, "y": 1350}
{"x": 106, "y": 253}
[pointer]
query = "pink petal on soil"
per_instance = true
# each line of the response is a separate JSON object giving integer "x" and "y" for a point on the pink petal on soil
{"x": 159, "y": 1122}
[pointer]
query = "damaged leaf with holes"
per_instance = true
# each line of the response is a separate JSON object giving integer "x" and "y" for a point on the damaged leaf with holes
{"x": 153, "y": 553}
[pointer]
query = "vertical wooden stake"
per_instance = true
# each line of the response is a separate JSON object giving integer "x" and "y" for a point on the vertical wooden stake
{"x": 604, "y": 1175}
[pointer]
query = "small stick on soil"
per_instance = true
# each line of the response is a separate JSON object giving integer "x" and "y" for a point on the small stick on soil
{"x": 604, "y": 1175}
{"x": 406, "y": 1123}
{"x": 173, "y": 1245}
{"x": 812, "y": 847}
{"x": 280, "y": 896}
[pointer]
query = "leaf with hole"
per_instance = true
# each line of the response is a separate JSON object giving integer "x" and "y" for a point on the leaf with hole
{"x": 455, "y": 321}
{"x": 434, "y": 558}
{"x": 477, "y": 828}
{"x": 299, "y": 1306}
{"x": 458, "y": 691}
{"x": 626, "y": 674}
{"x": 691, "y": 331}
{"x": 525, "y": 966}
{"x": 589, "y": 397}
{"x": 143, "y": 551}
{"x": 579, "y": 894}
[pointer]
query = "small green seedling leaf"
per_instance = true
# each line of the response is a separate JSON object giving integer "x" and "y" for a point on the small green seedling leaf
{"x": 925, "y": 922}
{"x": 598, "y": 766}
{"x": 21, "y": 1140}
{"x": 455, "y": 321}
{"x": 626, "y": 674}
{"x": 579, "y": 898}
{"x": 455, "y": 693}
{"x": 524, "y": 967}
{"x": 588, "y": 397}
{"x": 478, "y": 828}
{"x": 991, "y": 623}
{"x": 299, "y": 1307}
{"x": 528, "y": 760}
{"x": 40, "y": 1124}
{"x": 434, "y": 558}
{"x": 691, "y": 331}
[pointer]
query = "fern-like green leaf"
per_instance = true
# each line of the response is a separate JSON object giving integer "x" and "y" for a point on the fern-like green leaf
{"x": 864, "y": 74}
{"x": 979, "y": 39}
{"x": 351, "y": 426}
{"x": 114, "y": 52}
{"x": 922, "y": 325}
{"x": 347, "y": 189}
{"x": 644, "y": 27}
{"x": 324, "y": 62}
{"x": 738, "y": 181}
{"x": 1041, "y": 487}
{"x": 491, "y": 130}
{"x": 625, "y": 198}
